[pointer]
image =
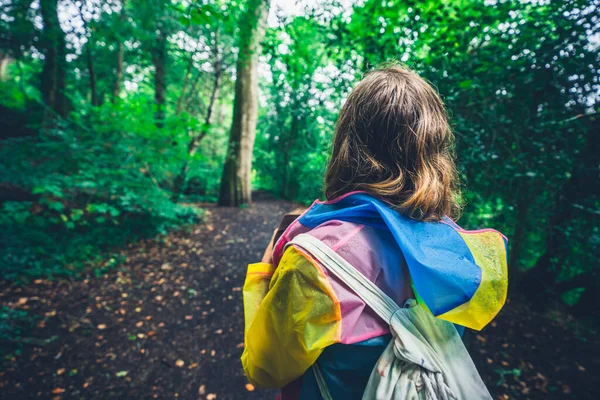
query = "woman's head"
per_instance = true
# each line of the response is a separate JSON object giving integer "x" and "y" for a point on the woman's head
{"x": 393, "y": 140}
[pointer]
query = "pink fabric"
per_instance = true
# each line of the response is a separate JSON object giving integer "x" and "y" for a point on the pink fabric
{"x": 376, "y": 255}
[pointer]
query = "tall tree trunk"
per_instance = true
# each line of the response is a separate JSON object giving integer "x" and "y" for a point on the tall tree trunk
{"x": 92, "y": 72}
{"x": 120, "y": 56}
{"x": 193, "y": 145}
{"x": 291, "y": 139}
{"x": 55, "y": 65}
{"x": 5, "y": 59}
{"x": 235, "y": 181}
{"x": 89, "y": 58}
{"x": 159, "y": 58}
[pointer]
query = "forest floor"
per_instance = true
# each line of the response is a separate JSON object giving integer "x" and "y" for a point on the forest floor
{"x": 168, "y": 324}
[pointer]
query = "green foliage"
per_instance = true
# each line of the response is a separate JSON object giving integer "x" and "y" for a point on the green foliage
{"x": 92, "y": 190}
{"x": 520, "y": 81}
{"x": 13, "y": 323}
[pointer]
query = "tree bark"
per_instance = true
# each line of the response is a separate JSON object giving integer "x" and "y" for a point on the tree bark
{"x": 235, "y": 181}
{"x": 5, "y": 59}
{"x": 159, "y": 58}
{"x": 90, "y": 59}
{"x": 92, "y": 72}
{"x": 287, "y": 148}
{"x": 54, "y": 69}
{"x": 120, "y": 56}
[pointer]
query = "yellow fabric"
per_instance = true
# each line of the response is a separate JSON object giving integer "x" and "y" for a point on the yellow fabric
{"x": 258, "y": 278}
{"x": 489, "y": 252}
{"x": 298, "y": 317}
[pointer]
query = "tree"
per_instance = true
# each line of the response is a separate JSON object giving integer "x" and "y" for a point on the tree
{"x": 89, "y": 51}
{"x": 120, "y": 54}
{"x": 235, "y": 182}
{"x": 54, "y": 73}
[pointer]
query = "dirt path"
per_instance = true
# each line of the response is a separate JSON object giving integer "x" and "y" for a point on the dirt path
{"x": 168, "y": 324}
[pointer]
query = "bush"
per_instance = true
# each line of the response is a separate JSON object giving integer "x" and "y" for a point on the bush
{"x": 84, "y": 191}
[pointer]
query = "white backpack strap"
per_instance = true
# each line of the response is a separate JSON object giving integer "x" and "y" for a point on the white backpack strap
{"x": 374, "y": 297}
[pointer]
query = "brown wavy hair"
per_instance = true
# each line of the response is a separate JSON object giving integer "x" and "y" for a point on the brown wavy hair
{"x": 393, "y": 140}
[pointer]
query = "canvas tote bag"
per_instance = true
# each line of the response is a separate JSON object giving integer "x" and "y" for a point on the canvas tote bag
{"x": 426, "y": 358}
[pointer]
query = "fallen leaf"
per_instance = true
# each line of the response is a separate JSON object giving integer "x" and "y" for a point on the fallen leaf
{"x": 121, "y": 374}
{"x": 211, "y": 396}
{"x": 139, "y": 324}
{"x": 101, "y": 326}
{"x": 58, "y": 390}
{"x": 60, "y": 371}
{"x": 180, "y": 363}
{"x": 188, "y": 317}
{"x": 202, "y": 390}
{"x": 249, "y": 387}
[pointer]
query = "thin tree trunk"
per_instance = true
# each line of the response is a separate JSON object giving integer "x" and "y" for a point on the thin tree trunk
{"x": 92, "y": 72}
{"x": 118, "y": 73}
{"x": 54, "y": 70}
{"x": 286, "y": 156}
{"x": 159, "y": 59}
{"x": 235, "y": 181}
{"x": 186, "y": 81}
{"x": 90, "y": 59}
{"x": 120, "y": 58}
{"x": 5, "y": 59}
{"x": 193, "y": 145}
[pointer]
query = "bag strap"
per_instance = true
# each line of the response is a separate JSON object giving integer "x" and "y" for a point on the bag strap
{"x": 321, "y": 383}
{"x": 374, "y": 297}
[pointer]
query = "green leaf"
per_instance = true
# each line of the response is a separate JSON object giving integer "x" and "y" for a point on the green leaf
{"x": 466, "y": 84}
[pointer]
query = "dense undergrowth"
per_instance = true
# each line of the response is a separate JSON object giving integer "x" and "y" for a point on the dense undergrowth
{"x": 78, "y": 191}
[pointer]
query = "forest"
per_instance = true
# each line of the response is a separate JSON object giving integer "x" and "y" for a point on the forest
{"x": 123, "y": 121}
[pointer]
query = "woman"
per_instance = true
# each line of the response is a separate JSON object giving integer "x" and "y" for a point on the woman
{"x": 391, "y": 188}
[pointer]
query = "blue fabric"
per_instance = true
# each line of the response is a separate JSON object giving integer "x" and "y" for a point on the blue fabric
{"x": 346, "y": 368}
{"x": 441, "y": 266}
